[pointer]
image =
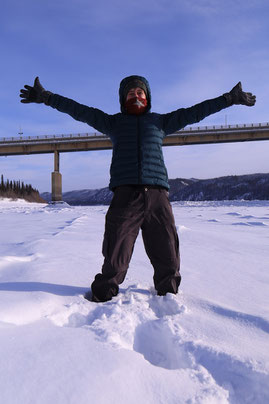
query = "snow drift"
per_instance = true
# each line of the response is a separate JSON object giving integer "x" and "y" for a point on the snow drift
{"x": 208, "y": 344}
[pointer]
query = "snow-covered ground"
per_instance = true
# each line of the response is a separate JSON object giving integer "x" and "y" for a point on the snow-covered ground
{"x": 208, "y": 344}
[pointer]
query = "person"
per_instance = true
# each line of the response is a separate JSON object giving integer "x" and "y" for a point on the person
{"x": 138, "y": 177}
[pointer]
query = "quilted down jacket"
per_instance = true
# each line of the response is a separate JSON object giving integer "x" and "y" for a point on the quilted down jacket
{"x": 137, "y": 139}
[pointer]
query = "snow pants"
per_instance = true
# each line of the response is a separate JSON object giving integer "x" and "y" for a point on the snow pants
{"x": 132, "y": 208}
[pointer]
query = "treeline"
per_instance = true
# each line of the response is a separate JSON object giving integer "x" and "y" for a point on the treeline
{"x": 18, "y": 190}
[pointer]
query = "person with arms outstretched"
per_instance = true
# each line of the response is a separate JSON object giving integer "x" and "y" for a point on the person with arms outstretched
{"x": 138, "y": 177}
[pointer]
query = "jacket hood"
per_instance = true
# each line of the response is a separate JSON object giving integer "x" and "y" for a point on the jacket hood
{"x": 126, "y": 84}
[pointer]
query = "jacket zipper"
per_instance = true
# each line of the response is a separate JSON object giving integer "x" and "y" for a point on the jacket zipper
{"x": 138, "y": 152}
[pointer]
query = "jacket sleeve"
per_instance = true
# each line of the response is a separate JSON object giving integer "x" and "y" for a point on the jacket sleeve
{"x": 178, "y": 119}
{"x": 92, "y": 116}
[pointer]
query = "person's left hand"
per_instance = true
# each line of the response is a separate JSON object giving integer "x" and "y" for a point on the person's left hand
{"x": 238, "y": 96}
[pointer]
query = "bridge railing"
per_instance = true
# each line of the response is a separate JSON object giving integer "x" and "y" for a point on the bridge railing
{"x": 97, "y": 135}
{"x": 225, "y": 127}
{"x": 52, "y": 137}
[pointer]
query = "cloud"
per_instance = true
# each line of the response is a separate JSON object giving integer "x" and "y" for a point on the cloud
{"x": 85, "y": 170}
{"x": 213, "y": 76}
{"x": 209, "y": 161}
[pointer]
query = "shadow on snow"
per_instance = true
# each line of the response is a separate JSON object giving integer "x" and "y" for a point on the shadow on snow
{"x": 61, "y": 290}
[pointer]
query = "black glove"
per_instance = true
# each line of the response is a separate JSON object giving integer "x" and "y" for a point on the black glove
{"x": 35, "y": 94}
{"x": 238, "y": 96}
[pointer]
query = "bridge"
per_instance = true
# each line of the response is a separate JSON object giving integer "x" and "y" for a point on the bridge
{"x": 24, "y": 145}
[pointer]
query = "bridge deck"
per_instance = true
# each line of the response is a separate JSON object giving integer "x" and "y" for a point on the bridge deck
{"x": 96, "y": 141}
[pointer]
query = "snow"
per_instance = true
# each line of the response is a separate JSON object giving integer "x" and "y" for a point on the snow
{"x": 208, "y": 344}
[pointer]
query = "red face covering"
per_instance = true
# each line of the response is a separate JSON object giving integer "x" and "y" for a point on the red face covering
{"x": 136, "y": 105}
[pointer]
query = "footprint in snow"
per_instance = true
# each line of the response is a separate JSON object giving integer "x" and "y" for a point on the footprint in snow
{"x": 244, "y": 382}
{"x": 166, "y": 305}
{"x": 159, "y": 346}
{"x": 249, "y": 224}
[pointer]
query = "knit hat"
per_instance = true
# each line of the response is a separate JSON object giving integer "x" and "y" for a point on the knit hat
{"x": 132, "y": 82}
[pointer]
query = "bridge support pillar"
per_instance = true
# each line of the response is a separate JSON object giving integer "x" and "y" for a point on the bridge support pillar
{"x": 56, "y": 180}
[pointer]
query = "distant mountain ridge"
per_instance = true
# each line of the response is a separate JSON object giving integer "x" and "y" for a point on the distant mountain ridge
{"x": 234, "y": 187}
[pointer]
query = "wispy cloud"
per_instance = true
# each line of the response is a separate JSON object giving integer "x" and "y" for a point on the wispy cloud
{"x": 208, "y": 161}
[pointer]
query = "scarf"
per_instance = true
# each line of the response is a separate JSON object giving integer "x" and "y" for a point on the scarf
{"x": 136, "y": 105}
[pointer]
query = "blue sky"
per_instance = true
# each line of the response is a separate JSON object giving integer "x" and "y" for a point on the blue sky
{"x": 189, "y": 50}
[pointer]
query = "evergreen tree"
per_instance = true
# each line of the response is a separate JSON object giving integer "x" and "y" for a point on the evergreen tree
{"x": 17, "y": 189}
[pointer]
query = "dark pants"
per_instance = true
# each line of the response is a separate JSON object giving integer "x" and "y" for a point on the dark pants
{"x": 132, "y": 208}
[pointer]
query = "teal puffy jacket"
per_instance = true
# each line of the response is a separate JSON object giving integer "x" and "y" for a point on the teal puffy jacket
{"x": 137, "y": 140}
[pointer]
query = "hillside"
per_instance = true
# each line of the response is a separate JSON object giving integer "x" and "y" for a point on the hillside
{"x": 241, "y": 187}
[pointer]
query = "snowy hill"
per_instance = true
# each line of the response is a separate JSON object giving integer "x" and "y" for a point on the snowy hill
{"x": 208, "y": 344}
{"x": 246, "y": 187}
